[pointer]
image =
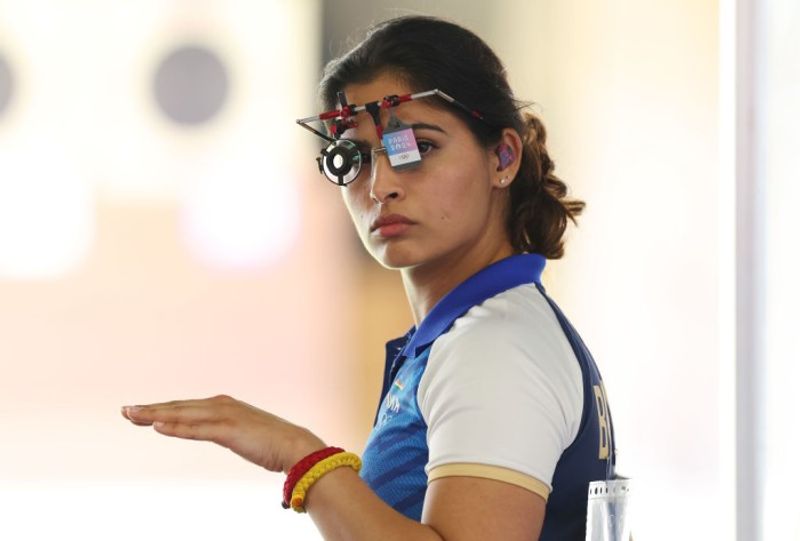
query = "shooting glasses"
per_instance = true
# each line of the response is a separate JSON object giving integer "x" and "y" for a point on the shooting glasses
{"x": 342, "y": 159}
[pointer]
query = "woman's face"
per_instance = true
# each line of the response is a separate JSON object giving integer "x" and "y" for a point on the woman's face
{"x": 442, "y": 209}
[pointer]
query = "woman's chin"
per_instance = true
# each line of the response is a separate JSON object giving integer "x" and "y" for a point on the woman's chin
{"x": 392, "y": 256}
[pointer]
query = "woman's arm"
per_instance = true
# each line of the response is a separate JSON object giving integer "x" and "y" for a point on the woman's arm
{"x": 342, "y": 506}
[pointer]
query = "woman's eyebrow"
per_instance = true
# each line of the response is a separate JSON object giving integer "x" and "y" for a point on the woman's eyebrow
{"x": 424, "y": 126}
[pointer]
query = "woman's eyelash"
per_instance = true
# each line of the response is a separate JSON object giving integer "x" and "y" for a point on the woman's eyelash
{"x": 425, "y": 146}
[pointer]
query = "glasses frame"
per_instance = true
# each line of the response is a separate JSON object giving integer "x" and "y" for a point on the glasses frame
{"x": 343, "y": 118}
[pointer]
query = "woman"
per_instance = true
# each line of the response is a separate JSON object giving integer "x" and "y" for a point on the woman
{"x": 493, "y": 417}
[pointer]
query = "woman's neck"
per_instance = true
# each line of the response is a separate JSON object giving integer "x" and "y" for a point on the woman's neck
{"x": 426, "y": 284}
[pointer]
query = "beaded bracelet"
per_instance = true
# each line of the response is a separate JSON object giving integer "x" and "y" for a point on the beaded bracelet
{"x": 318, "y": 470}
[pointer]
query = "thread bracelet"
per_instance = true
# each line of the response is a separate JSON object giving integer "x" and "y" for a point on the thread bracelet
{"x": 300, "y": 468}
{"x": 308, "y": 470}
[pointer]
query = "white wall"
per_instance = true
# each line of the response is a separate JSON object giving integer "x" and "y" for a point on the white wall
{"x": 778, "y": 176}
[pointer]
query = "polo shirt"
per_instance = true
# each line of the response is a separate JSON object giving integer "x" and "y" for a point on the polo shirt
{"x": 495, "y": 383}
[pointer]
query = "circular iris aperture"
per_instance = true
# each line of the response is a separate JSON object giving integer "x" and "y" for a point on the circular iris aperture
{"x": 191, "y": 85}
{"x": 340, "y": 162}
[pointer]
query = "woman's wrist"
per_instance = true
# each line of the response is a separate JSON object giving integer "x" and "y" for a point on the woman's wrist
{"x": 303, "y": 445}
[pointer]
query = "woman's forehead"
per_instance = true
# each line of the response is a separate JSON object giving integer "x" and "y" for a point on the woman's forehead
{"x": 385, "y": 84}
{"x": 419, "y": 111}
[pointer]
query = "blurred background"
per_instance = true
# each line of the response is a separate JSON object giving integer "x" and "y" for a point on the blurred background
{"x": 164, "y": 234}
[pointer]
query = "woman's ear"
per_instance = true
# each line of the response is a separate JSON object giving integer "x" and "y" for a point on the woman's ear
{"x": 506, "y": 157}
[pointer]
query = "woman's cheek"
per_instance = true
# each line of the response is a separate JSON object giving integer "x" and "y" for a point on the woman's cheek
{"x": 354, "y": 209}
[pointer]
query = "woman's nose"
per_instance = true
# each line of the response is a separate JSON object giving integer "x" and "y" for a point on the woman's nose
{"x": 385, "y": 183}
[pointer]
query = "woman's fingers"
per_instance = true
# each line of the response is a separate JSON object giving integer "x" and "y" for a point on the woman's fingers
{"x": 196, "y": 422}
{"x": 125, "y": 413}
{"x": 256, "y": 435}
{"x": 218, "y": 399}
{"x": 201, "y": 431}
{"x": 179, "y": 411}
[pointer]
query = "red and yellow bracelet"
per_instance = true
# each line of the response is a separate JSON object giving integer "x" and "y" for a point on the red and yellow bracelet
{"x": 306, "y": 472}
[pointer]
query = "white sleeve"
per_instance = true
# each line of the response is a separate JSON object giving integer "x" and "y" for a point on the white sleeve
{"x": 502, "y": 388}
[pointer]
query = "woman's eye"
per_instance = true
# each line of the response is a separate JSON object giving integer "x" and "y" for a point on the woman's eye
{"x": 425, "y": 147}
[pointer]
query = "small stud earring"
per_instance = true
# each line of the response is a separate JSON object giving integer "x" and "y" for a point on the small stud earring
{"x": 503, "y": 181}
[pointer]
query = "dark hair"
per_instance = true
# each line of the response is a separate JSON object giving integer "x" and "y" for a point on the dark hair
{"x": 427, "y": 53}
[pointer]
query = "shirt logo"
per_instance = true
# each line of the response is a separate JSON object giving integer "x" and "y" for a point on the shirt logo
{"x": 393, "y": 403}
{"x": 602, "y": 420}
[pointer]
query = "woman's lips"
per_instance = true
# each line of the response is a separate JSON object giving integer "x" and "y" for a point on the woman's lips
{"x": 393, "y": 230}
{"x": 391, "y": 225}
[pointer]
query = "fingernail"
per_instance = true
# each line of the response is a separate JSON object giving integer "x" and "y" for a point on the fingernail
{"x": 132, "y": 409}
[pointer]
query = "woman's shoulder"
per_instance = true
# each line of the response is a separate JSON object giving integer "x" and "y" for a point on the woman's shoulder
{"x": 507, "y": 353}
{"x": 519, "y": 316}
{"x": 513, "y": 335}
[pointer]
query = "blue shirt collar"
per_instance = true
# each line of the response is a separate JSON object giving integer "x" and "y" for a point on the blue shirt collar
{"x": 500, "y": 276}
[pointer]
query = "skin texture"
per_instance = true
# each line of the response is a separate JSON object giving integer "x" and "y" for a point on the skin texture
{"x": 454, "y": 198}
{"x": 456, "y": 203}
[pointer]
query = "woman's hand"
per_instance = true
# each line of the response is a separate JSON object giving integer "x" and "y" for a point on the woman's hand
{"x": 256, "y": 435}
